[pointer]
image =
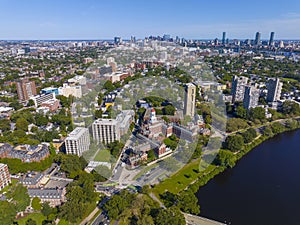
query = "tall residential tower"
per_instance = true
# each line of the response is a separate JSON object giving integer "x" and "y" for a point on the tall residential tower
{"x": 189, "y": 100}
{"x": 238, "y": 88}
{"x": 274, "y": 90}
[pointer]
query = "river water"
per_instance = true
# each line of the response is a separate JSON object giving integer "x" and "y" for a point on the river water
{"x": 262, "y": 189}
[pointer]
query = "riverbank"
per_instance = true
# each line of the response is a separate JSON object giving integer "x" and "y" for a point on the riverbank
{"x": 189, "y": 177}
{"x": 262, "y": 189}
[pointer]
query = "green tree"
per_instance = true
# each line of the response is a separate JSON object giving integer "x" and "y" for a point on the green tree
{"x": 234, "y": 143}
{"x": 225, "y": 158}
{"x": 22, "y": 124}
{"x": 7, "y": 212}
{"x": 108, "y": 86}
{"x": 241, "y": 112}
{"x": 170, "y": 216}
{"x": 249, "y": 135}
{"x": 188, "y": 202}
{"x": 46, "y": 209}
{"x": 234, "y": 124}
{"x": 30, "y": 103}
{"x": 4, "y": 125}
{"x": 20, "y": 197}
{"x": 256, "y": 114}
{"x": 169, "y": 110}
{"x": 268, "y": 131}
{"x": 31, "y": 222}
{"x": 41, "y": 120}
{"x": 36, "y": 203}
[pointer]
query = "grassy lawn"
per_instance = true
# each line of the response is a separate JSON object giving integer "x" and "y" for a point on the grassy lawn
{"x": 289, "y": 79}
{"x": 182, "y": 178}
{"x": 38, "y": 217}
{"x": 103, "y": 156}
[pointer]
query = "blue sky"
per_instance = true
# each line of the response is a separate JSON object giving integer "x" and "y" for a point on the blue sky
{"x": 104, "y": 19}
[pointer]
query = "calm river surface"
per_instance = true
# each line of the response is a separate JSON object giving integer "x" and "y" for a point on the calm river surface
{"x": 262, "y": 189}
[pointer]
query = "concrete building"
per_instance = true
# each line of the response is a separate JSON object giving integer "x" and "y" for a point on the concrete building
{"x": 125, "y": 118}
{"x": 274, "y": 90}
{"x": 189, "y": 100}
{"x": 106, "y": 130}
{"x": 78, "y": 141}
{"x": 67, "y": 90}
{"x": 251, "y": 97}
{"x": 257, "y": 38}
{"x": 39, "y": 99}
{"x": 77, "y": 80}
{"x": 110, "y": 130}
{"x": 238, "y": 88}
{"x": 4, "y": 176}
{"x": 25, "y": 89}
{"x": 271, "y": 41}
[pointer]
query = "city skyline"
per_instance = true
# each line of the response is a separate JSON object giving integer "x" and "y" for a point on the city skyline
{"x": 103, "y": 20}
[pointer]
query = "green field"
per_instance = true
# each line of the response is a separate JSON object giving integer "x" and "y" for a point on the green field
{"x": 182, "y": 179}
{"x": 103, "y": 156}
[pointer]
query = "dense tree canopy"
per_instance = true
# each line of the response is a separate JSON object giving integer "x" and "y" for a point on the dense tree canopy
{"x": 234, "y": 143}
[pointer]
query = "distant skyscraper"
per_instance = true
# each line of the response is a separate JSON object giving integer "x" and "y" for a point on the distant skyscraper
{"x": 166, "y": 37}
{"x": 132, "y": 39}
{"x": 274, "y": 90}
{"x": 257, "y": 38}
{"x": 117, "y": 40}
{"x": 25, "y": 89}
{"x": 189, "y": 100}
{"x": 251, "y": 97}
{"x": 78, "y": 141}
{"x": 271, "y": 42}
{"x": 238, "y": 88}
{"x": 216, "y": 41}
{"x": 224, "y": 38}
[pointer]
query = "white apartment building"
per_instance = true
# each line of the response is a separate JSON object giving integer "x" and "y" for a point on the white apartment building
{"x": 78, "y": 141}
{"x": 39, "y": 99}
{"x": 106, "y": 130}
{"x": 110, "y": 130}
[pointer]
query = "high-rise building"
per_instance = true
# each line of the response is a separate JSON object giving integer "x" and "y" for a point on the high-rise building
{"x": 257, "y": 38}
{"x": 106, "y": 130}
{"x": 238, "y": 88}
{"x": 110, "y": 130}
{"x": 78, "y": 141}
{"x": 132, "y": 39}
{"x": 4, "y": 176}
{"x": 189, "y": 100}
{"x": 274, "y": 90}
{"x": 224, "y": 38}
{"x": 117, "y": 40}
{"x": 271, "y": 42}
{"x": 25, "y": 89}
{"x": 251, "y": 97}
{"x": 166, "y": 37}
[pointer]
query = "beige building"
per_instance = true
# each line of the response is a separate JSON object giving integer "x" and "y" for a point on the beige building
{"x": 189, "y": 100}
{"x": 67, "y": 90}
